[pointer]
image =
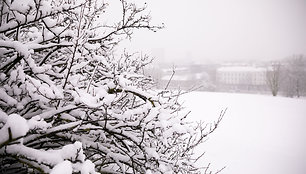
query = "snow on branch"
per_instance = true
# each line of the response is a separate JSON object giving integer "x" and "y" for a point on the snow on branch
{"x": 69, "y": 103}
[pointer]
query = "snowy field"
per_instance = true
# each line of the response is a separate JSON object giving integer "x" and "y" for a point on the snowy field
{"x": 258, "y": 135}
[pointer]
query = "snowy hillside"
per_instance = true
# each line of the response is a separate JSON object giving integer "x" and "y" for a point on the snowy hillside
{"x": 258, "y": 135}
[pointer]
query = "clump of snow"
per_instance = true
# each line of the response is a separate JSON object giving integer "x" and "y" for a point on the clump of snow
{"x": 17, "y": 74}
{"x": 22, "y": 5}
{"x": 3, "y": 116}
{"x": 6, "y": 98}
{"x": 17, "y": 125}
{"x": 38, "y": 123}
{"x": 64, "y": 126}
{"x": 18, "y": 46}
{"x": 152, "y": 152}
{"x": 148, "y": 172}
{"x": 88, "y": 99}
{"x": 50, "y": 22}
{"x": 2, "y": 75}
{"x": 108, "y": 99}
{"x": 64, "y": 167}
{"x": 71, "y": 150}
{"x": 164, "y": 168}
{"x": 57, "y": 158}
{"x": 51, "y": 157}
{"x": 67, "y": 117}
{"x": 88, "y": 167}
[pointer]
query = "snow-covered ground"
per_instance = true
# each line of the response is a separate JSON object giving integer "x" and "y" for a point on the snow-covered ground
{"x": 258, "y": 135}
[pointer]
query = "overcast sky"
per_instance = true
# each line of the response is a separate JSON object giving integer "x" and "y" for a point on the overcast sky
{"x": 225, "y": 30}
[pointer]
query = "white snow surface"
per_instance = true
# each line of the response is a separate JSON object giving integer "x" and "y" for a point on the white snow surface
{"x": 259, "y": 134}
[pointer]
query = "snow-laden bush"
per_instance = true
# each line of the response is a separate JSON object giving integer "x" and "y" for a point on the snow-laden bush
{"x": 68, "y": 104}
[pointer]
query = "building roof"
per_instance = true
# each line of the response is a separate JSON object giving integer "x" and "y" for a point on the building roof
{"x": 241, "y": 69}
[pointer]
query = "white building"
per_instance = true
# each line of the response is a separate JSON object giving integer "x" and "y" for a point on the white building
{"x": 245, "y": 78}
{"x": 188, "y": 77}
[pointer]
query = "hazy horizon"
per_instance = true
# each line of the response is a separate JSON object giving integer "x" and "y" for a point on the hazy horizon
{"x": 223, "y": 30}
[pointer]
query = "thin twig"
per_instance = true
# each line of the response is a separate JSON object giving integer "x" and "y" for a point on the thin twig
{"x": 173, "y": 72}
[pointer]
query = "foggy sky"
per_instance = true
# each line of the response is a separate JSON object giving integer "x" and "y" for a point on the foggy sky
{"x": 224, "y": 30}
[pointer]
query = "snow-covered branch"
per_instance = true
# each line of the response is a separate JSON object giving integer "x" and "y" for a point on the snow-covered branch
{"x": 68, "y": 103}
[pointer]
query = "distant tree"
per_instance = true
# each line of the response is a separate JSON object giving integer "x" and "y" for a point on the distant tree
{"x": 295, "y": 76}
{"x": 69, "y": 103}
{"x": 273, "y": 75}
